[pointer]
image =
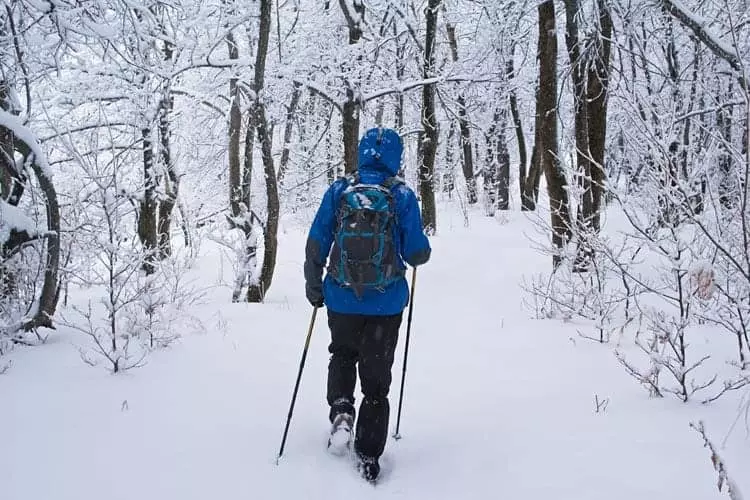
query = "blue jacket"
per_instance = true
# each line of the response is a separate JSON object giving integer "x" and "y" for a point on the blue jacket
{"x": 379, "y": 158}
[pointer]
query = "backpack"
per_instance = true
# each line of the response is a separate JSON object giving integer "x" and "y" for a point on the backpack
{"x": 364, "y": 254}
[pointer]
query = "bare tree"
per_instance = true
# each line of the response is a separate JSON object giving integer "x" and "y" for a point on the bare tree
{"x": 547, "y": 147}
{"x": 429, "y": 135}
{"x": 257, "y": 291}
{"x": 350, "y": 110}
{"x": 463, "y": 123}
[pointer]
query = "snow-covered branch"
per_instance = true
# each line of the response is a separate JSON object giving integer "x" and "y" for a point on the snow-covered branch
{"x": 700, "y": 28}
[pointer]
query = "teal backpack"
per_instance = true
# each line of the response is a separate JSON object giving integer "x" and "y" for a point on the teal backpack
{"x": 364, "y": 255}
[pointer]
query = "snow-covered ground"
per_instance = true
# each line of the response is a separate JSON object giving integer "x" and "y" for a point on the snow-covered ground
{"x": 497, "y": 405}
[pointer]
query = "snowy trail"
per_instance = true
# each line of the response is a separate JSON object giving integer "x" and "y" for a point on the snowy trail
{"x": 497, "y": 405}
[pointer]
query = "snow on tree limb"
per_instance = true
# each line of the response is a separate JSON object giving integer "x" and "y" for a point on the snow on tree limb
{"x": 699, "y": 26}
{"x": 28, "y": 139}
{"x": 396, "y": 89}
{"x": 13, "y": 219}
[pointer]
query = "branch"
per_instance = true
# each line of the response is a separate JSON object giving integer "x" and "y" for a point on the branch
{"x": 213, "y": 107}
{"x": 315, "y": 89}
{"x": 718, "y": 463}
{"x": 699, "y": 112}
{"x": 350, "y": 21}
{"x": 698, "y": 26}
{"x": 409, "y": 27}
{"x": 85, "y": 128}
{"x": 403, "y": 87}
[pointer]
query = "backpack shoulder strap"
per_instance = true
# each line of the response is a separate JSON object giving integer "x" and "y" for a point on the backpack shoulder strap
{"x": 392, "y": 182}
{"x": 353, "y": 178}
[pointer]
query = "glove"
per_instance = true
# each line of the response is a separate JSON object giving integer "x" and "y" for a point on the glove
{"x": 315, "y": 295}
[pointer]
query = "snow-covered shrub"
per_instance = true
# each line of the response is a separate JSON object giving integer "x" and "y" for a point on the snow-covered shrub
{"x": 602, "y": 294}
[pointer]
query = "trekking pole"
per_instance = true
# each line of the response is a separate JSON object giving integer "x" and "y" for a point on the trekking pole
{"x": 296, "y": 385}
{"x": 406, "y": 352}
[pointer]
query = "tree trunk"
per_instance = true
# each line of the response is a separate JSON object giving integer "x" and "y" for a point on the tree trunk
{"x": 498, "y": 148}
{"x": 581, "y": 129}
{"x": 288, "y": 128}
{"x": 235, "y": 128}
{"x": 727, "y": 192}
{"x": 350, "y": 126}
{"x": 468, "y": 153}
{"x": 12, "y": 179}
{"x": 463, "y": 123}
{"x": 47, "y": 301}
{"x": 449, "y": 183}
{"x": 147, "y": 231}
{"x": 597, "y": 94}
{"x": 518, "y": 126}
{"x": 330, "y": 168}
{"x": 257, "y": 292}
{"x": 247, "y": 159}
{"x": 351, "y": 108}
{"x": 581, "y": 126}
{"x": 530, "y": 188}
{"x": 428, "y": 144}
{"x": 400, "y": 70}
{"x": 171, "y": 180}
{"x": 547, "y": 112}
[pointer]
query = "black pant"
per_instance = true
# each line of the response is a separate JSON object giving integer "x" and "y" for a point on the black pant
{"x": 369, "y": 343}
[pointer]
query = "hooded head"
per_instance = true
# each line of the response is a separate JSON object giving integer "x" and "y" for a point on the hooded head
{"x": 380, "y": 149}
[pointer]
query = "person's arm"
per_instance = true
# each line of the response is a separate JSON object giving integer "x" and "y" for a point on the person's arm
{"x": 319, "y": 242}
{"x": 415, "y": 247}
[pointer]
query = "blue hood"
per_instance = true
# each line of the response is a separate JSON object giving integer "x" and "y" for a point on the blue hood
{"x": 380, "y": 149}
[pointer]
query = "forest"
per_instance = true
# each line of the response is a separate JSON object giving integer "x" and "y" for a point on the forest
{"x": 137, "y": 135}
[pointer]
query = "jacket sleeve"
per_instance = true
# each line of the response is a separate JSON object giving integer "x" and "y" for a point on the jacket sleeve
{"x": 320, "y": 239}
{"x": 415, "y": 247}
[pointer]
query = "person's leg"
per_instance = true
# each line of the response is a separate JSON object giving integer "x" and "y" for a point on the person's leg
{"x": 346, "y": 331}
{"x": 376, "y": 351}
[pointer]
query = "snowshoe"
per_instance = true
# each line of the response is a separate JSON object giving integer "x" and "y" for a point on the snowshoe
{"x": 340, "y": 439}
{"x": 369, "y": 468}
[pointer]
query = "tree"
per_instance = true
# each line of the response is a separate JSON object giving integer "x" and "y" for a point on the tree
{"x": 463, "y": 124}
{"x": 547, "y": 147}
{"x": 22, "y": 156}
{"x": 429, "y": 134}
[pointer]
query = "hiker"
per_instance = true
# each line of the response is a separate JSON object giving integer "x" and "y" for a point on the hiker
{"x": 370, "y": 223}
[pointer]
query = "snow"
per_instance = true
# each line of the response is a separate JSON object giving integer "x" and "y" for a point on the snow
{"x": 701, "y": 22}
{"x": 497, "y": 405}
{"x": 13, "y": 218}
{"x": 13, "y": 123}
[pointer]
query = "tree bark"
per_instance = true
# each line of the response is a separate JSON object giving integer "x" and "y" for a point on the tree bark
{"x": 582, "y": 165}
{"x": 548, "y": 148}
{"x": 400, "y": 70}
{"x": 449, "y": 182}
{"x": 581, "y": 126}
{"x": 288, "y": 129}
{"x": 47, "y": 302}
{"x": 351, "y": 108}
{"x": 235, "y": 127}
{"x": 147, "y": 231}
{"x": 428, "y": 144}
{"x": 498, "y": 148}
{"x": 463, "y": 123}
{"x": 350, "y": 126}
{"x": 171, "y": 180}
{"x": 530, "y": 188}
{"x": 597, "y": 94}
{"x": 518, "y": 126}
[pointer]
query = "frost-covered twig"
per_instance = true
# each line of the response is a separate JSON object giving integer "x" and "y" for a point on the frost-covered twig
{"x": 718, "y": 463}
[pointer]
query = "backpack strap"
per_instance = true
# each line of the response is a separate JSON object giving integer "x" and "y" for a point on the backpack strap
{"x": 392, "y": 182}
